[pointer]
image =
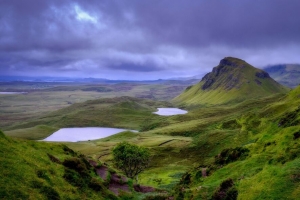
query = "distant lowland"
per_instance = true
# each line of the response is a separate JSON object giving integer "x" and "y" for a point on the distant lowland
{"x": 285, "y": 74}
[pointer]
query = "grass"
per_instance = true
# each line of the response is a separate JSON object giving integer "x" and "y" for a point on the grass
{"x": 270, "y": 171}
{"x": 229, "y": 85}
{"x": 119, "y": 112}
{"x": 172, "y": 163}
{"x": 43, "y": 98}
{"x": 28, "y": 173}
{"x": 182, "y": 144}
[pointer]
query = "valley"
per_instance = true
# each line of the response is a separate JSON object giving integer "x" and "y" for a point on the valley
{"x": 241, "y": 129}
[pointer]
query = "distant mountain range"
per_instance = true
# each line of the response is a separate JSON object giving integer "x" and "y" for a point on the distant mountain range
{"x": 184, "y": 81}
{"x": 286, "y": 74}
{"x": 232, "y": 81}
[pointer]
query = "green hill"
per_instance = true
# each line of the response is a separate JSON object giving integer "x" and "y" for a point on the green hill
{"x": 288, "y": 75}
{"x": 266, "y": 165}
{"x": 38, "y": 170}
{"x": 232, "y": 81}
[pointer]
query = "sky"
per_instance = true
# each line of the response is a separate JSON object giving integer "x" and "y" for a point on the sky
{"x": 144, "y": 39}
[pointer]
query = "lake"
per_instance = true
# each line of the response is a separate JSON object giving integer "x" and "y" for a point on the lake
{"x": 83, "y": 134}
{"x": 170, "y": 111}
{"x": 13, "y": 92}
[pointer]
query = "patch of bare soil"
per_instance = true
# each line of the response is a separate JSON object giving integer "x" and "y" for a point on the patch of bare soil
{"x": 143, "y": 189}
{"x": 118, "y": 183}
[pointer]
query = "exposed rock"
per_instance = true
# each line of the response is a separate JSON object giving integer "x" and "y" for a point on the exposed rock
{"x": 227, "y": 62}
{"x": 207, "y": 84}
{"x": 262, "y": 74}
{"x": 143, "y": 189}
{"x": 258, "y": 82}
{"x": 224, "y": 66}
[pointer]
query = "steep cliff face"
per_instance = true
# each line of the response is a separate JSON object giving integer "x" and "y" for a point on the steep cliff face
{"x": 232, "y": 80}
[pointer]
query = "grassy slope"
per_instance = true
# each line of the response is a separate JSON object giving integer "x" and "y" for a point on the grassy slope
{"x": 166, "y": 152}
{"x": 28, "y": 173}
{"x": 272, "y": 169}
{"x": 176, "y": 142}
{"x": 232, "y": 85}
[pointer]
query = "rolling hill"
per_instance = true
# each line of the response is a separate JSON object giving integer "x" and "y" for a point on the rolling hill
{"x": 288, "y": 74}
{"x": 232, "y": 81}
{"x": 265, "y": 166}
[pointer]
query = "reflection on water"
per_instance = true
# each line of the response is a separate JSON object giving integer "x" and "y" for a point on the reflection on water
{"x": 83, "y": 134}
{"x": 170, "y": 111}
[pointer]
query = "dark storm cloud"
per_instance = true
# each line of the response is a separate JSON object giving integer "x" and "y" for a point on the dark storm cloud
{"x": 96, "y": 36}
{"x": 232, "y": 22}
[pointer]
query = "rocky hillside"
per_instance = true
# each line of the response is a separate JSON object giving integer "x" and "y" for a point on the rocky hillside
{"x": 288, "y": 75}
{"x": 232, "y": 81}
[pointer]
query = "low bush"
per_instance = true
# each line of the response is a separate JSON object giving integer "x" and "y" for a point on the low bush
{"x": 230, "y": 155}
{"x": 226, "y": 191}
{"x": 50, "y": 193}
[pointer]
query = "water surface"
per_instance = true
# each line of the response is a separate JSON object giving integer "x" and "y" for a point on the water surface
{"x": 83, "y": 134}
{"x": 12, "y": 92}
{"x": 170, "y": 111}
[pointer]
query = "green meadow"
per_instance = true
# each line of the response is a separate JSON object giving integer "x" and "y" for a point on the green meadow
{"x": 251, "y": 145}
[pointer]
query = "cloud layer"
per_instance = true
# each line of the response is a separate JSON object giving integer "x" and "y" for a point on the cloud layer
{"x": 143, "y": 39}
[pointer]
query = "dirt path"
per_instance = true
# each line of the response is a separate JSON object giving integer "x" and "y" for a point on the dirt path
{"x": 165, "y": 142}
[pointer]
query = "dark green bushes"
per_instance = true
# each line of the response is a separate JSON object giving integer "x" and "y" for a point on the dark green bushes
{"x": 49, "y": 193}
{"x": 226, "y": 191}
{"x": 230, "y": 155}
{"x": 231, "y": 124}
{"x": 290, "y": 119}
{"x": 296, "y": 135}
{"x": 96, "y": 185}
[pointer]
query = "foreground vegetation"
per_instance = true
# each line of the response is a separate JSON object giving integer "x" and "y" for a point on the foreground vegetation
{"x": 35, "y": 170}
{"x": 243, "y": 150}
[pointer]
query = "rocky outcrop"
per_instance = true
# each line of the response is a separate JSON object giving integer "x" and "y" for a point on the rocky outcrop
{"x": 226, "y": 65}
{"x": 262, "y": 74}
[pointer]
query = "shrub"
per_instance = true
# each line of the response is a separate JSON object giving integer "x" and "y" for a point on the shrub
{"x": 230, "y": 155}
{"x": 68, "y": 151}
{"x": 78, "y": 165}
{"x": 50, "y": 193}
{"x": 43, "y": 174}
{"x": 131, "y": 159}
{"x": 74, "y": 178}
{"x": 95, "y": 184}
{"x": 290, "y": 119}
{"x": 226, "y": 191}
{"x": 53, "y": 158}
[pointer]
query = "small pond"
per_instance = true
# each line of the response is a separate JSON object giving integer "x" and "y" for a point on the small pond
{"x": 13, "y": 92}
{"x": 170, "y": 111}
{"x": 83, "y": 134}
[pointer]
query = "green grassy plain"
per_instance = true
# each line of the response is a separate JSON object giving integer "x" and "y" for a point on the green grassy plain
{"x": 43, "y": 98}
{"x": 185, "y": 144}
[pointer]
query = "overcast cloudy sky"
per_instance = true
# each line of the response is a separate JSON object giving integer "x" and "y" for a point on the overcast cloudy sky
{"x": 144, "y": 39}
